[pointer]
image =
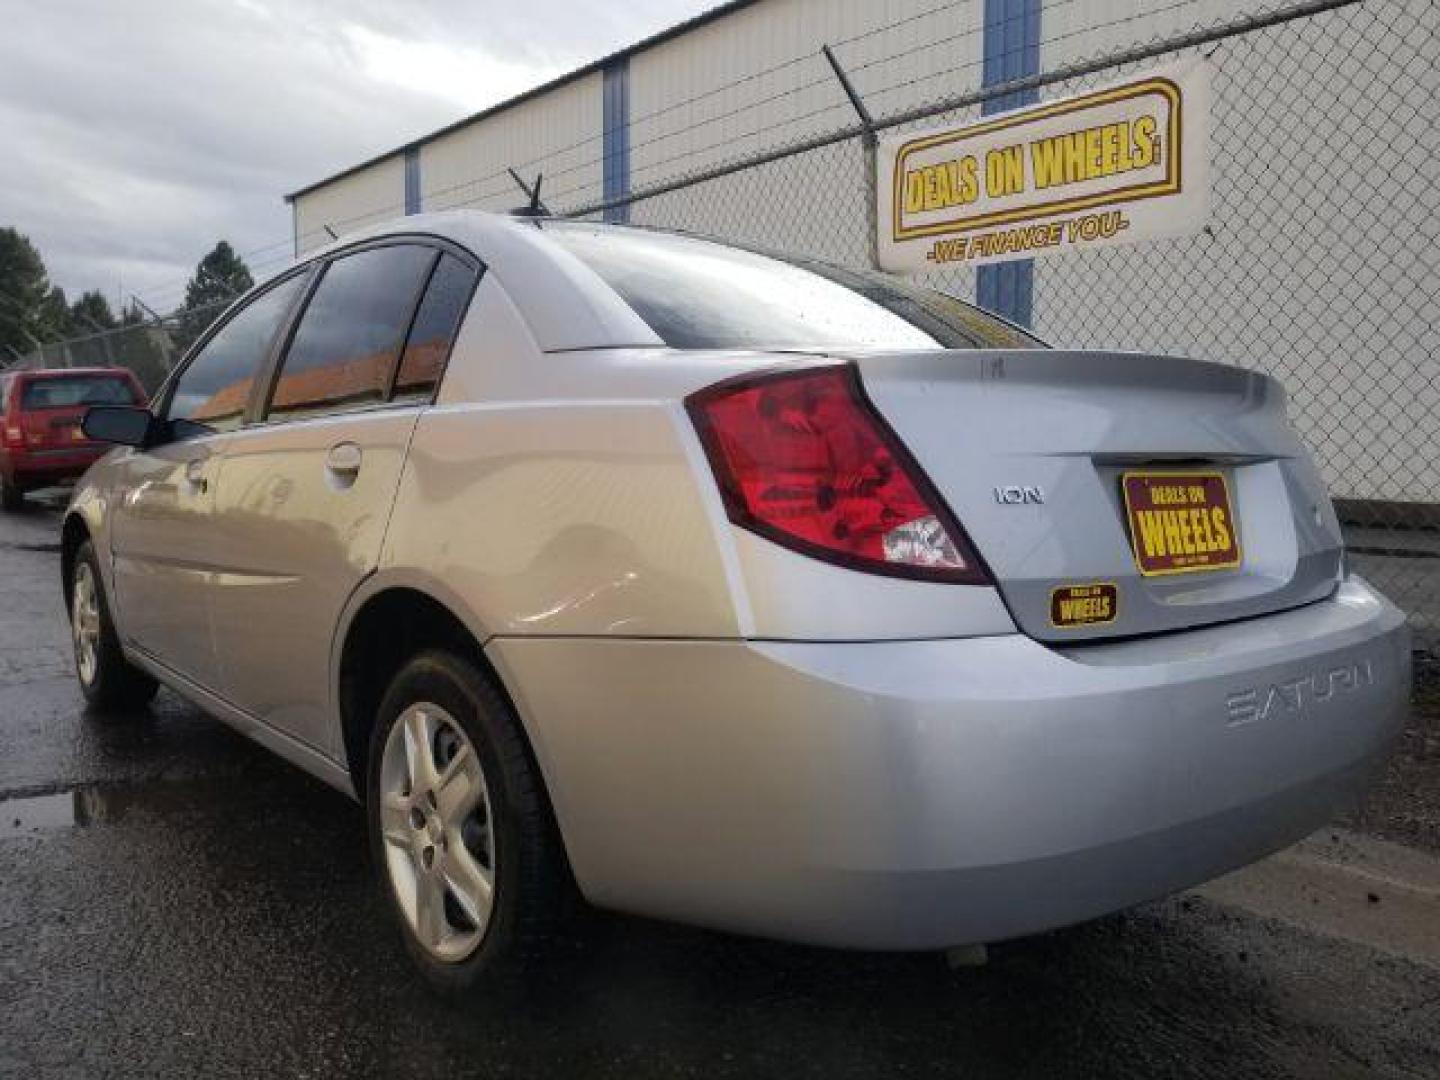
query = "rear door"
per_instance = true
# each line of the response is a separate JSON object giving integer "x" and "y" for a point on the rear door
{"x": 163, "y": 537}
{"x": 305, "y": 493}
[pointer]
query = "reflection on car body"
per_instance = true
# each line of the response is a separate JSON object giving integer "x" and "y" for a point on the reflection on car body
{"x": 722, "y": 586}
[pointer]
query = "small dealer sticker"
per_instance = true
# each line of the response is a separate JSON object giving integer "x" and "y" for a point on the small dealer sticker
{"x": 1084, "y": 605}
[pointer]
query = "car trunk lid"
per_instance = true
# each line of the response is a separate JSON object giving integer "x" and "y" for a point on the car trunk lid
{"x": 1098, "y": 487}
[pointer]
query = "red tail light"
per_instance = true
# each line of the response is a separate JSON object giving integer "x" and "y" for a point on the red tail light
{"x": 11, "y": 434}
{"x": 803, "y": 459}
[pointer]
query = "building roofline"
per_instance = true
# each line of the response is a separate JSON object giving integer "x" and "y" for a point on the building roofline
{"x": 692, "y": 23}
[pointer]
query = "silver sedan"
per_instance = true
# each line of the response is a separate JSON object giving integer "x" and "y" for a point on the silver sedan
{"x": 733, "y": 589}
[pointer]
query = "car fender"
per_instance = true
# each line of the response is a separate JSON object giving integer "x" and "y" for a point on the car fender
{"x": 437, "y": 590}
{"x": 90, "y": 504}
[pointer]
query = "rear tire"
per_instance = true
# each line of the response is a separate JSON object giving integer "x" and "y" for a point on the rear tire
{"x": 11, "y": 497}
{"x": 461, "y": 831}
{"x": 106, "y": 678}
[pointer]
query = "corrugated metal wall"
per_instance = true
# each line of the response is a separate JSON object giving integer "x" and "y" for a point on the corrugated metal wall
{"x": 753, "y": 79}
{"x": 1280, "y": 222}
{"x": 750, "y": 79}
{"x": 1081, "y": 29}
{"x": 351, "y": 203}
{"x": 560, "y": 130}
{"x": 756, "y": 79}
{"x": 690, "y": 107}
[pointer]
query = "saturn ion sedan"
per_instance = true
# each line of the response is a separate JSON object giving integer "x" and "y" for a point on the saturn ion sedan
{"x": 732, "y": 589}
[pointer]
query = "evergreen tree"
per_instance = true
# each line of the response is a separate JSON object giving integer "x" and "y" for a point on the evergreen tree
{"x": 92, "y": 312}
{"x": 56, "y": 321}
{"x": 26, "y": 306}
{"x": 220, "y": 277}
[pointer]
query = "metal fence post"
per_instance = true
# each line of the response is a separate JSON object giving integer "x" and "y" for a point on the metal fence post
{"x": 869, "y": 143}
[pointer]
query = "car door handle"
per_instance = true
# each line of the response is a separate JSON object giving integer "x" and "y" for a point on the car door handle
{"x": 343, "y": 458}
{"x": 195, "y": 476}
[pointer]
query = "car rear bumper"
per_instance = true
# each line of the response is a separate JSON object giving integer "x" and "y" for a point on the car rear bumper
{"x": 907, "y": 795}
{"x": 38, "y": 467}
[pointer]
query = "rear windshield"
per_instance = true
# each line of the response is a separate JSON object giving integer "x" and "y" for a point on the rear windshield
{"x": 696, "y": 294}
{"x": 67, "y": 391}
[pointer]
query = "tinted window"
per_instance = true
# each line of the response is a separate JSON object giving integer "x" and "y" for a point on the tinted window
{"x": 67, "y": 391}
{"x": 350, "y": 335}
{"x": 436, "y": 323}
{"x": 696, "y": 294}
{"x": 213, "y": 389}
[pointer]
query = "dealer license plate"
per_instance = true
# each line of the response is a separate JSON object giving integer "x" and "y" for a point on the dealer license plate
{"x": 1180, "y": 522}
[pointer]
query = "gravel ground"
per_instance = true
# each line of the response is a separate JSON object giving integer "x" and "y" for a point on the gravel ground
{"x": 1405, "y": 804}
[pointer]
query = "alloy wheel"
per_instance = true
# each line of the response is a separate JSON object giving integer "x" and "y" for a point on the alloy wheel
{"x": 439, "y": 840}
{"x": 85, "y": 623}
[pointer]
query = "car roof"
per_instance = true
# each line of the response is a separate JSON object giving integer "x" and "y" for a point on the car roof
{"x": 565, "y": 304}
{"x": 61, "y": 373}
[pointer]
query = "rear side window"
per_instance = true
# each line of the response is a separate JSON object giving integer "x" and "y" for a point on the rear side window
{"x": 214, "y": 389}
{"x": 436, "y": 324}
{"x": 349, "y": 339}
{"x": 69, "y": 391}
{"x": 697, "y": 294}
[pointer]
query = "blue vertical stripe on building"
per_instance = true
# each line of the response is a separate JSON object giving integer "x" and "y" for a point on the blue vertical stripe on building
{"x": 412, "y": 180}
{"x": 1012, "y": 51}
{"x": 615, "y": 116}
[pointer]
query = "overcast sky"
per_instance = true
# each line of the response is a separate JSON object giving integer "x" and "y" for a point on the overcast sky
{"x": 136, "y": 133}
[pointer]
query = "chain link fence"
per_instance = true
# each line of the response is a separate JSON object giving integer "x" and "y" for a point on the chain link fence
{"x": 149, "y": 348}
{"x": 1318, "y": 265}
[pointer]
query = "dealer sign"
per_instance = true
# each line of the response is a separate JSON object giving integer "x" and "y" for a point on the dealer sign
{"x": 1121, "y": 164}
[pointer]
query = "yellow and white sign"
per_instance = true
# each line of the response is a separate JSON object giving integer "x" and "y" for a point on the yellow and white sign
{"x": 1125, "y": 163}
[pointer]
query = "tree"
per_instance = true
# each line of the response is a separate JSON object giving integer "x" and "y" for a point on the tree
{"x": 55, "y": 319}
{"x": 91, "y": 323}
{"x": 220, "y": 277}
{"x": 92, "y": 312}
{"x": 26, "y": 302}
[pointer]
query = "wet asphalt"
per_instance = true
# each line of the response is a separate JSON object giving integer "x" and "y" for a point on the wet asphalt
{"x": 175, "y": 902}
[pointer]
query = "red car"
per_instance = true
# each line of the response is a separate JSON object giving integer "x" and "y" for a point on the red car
{"x": 41, "y": 443}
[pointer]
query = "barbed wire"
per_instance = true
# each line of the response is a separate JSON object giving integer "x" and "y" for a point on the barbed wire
{"x": 433, "y": 199}
{"x": 166, "y": 300}
{"x": 167, "y": 295}
{"x": 1325, "y": 285}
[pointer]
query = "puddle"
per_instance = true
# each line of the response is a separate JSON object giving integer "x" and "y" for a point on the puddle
{"x": 36, "y": 814}
{"x": 51, "y": 548}
{"x": 33, "y": 815}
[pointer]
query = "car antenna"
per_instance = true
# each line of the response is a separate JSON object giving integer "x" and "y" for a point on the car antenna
{"x": 536, "y": 208}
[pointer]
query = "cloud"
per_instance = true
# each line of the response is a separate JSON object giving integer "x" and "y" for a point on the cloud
{"x": 457, "y": 73}
{"x": 139, "y": 133}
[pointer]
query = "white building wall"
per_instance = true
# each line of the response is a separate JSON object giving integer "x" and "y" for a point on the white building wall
{"x": 756, "y": 79}
{"x": 1075, "y": 30}
{"x": 558, "y": 133}
{"x": 373, "y": 194}
{"x": 1263, "y": 287}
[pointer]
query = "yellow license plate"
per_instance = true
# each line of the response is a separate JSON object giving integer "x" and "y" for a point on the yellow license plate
{"x": 1180, "y": 522}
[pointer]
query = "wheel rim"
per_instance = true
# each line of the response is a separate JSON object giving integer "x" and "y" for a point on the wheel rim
{"x": 436, "y": 824}
{"x": 85, "y": 623}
